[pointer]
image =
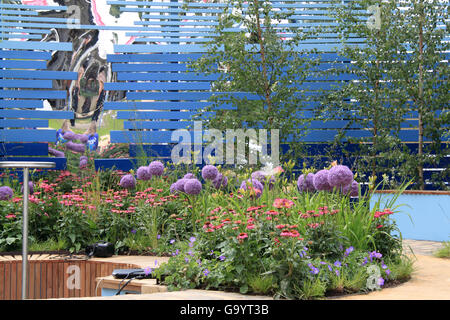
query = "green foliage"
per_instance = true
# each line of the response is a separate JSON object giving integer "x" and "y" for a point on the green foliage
{"x": 443, "y": 252}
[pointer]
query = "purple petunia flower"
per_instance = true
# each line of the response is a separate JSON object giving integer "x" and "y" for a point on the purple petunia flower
{"x": 340, "y": 176}
{"x": 209, "y": 172}
{"x": 206, "y": 272}
{"x": 305, "y": 183}
{"x": 6, "y": 193}
{"x": 189, "y": 176}
{"x": 156, "y": 168}
{"x": 128, "y": 181}
{"x": 192, "y": 186}
{"x": 220, "y": 181}
{"x": 320, "y": 181}
{"x": 143, "y": 173}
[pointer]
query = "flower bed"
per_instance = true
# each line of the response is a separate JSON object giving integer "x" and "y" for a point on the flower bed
{"x": 253, "y": 232}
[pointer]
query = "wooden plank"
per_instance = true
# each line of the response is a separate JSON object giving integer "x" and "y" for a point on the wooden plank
{"x": 67, "y": 292}
{"x": 43, "y": 280}
{"x": 50, "y": 276}
{"x": 60, "y": 279}
{"x": 13, "y": 276}
{"x": 31, "y": 278}
{"x": 37, "y": 280}
{"x": 2, "y": 281}
{"x": 19, "y": 280}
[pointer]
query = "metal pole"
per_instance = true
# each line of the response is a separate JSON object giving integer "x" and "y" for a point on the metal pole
{"x": 25, "y": 234}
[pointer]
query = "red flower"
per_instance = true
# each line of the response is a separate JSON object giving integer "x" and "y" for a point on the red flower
{"x": 283, "y": 203}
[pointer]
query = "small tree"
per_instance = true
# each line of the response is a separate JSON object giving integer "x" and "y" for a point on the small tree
{"x": 366, "y": 97}
{"x": 423, "y": 78}
{"x": 264, "y": 60}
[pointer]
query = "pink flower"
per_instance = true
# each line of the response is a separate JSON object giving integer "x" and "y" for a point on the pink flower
{"x": 283, "y": 203}
{"x": 242, "y": 235}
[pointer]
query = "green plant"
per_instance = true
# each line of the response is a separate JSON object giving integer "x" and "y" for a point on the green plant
{"x": 76, "y": 229}
{"x": 443, "y": 252}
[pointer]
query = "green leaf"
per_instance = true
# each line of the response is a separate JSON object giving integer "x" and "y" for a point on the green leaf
{"x": 243, "y": 289}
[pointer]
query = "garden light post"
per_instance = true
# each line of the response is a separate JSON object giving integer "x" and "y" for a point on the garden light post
{"x": 25, "y": 165}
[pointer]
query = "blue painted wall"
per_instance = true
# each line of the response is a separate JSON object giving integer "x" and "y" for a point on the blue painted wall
{"x": 421, "y": 216}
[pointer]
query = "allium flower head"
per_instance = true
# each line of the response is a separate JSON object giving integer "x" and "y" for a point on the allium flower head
{"x": 156, "y": 168}
{"x": 143, "y": 173}
{"x": 192, "y": 186}
{"x": 75, "y": 147}
{"x": 189, "y": 176}
{"x": 128, "y": 182}
{"x": 6, "y": 193}
{"x": 69, "y": 135}
{"x": 254, "y": 185}
{"x": 340, "y": 176}
{"x": 209, "y": 172}
{"x": 56, "y": 153}
{"x": 30, "y": 187}
{"x": 305, "y": 184}
{"x": 320, "y": 181}
{"x": 264, "y": 178}
{"x": 351, "y": 189}
{"x": 220, "y": 181}
{"x": 179, "y": 185}
{"x": 83, "y": 138}
{"x": 83, "y": 163}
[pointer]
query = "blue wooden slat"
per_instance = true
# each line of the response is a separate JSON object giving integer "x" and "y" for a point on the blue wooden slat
{"x": 183, "y": 95}
{"x": 23, "y": 149}
{"x": 157, "y": 150}
{"x": 20, "y": 36}
{"x": 41, "y": 31}
{"x": 27, "y": 135}
{"x": 21, "y": 64}
{"x": 18, "y": 123}
{"x": 178, "y": 17}
{"x": 176, "y": 23}
{"x": 132, "y": 105}
{"x": 19, "y": 12}
{"x": 44, "y": 74}
{"x": 170, "y": 10}
{"x": 36, "y": 114}
{"x": 141, "y": 136}
{"x": 172, "y": 125}
{"x": 160, "y": 76}
{"x": 149, "y": 67}
{"x": 197, "y": 34}
{"x": 36, "y": 45}
{"x": 40, "y": 94}
{"x": 39, "y": 19}
{"x": 167, "y": 115}
{"x": 21, "y": 104}
{"x": 157, "y": 86}
{"x": 32, "y": 7}
{"x": 170, "y": 40}
{"x": 38, "y": 84}
{"x": 118, "y": 164}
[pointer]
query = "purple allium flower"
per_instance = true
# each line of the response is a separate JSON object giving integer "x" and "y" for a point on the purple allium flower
{"x": 192, "y": 186}
{"x": 6, "y": 193}
{"x": 30, "y": 187}
{"x": 264, "y": 178}
{"x": 128, "y": 181}
{"x": 76, "y": 147}
{"x": 189, "y": 176}
{"x": 56, "y": 153}
{"x": 83, "y": 138}
{"x": 220, "y": 181}
{"x": 351, "y": 189}
{"x": 253, "y": 183}
{"x": 209, "y": 172}
{"x": 320, "y": 181}
{"x": 69, "y": 135}
{"x": 83, "y": 163}
{"x": 340, "y": 176}
{"x": 83, "y": 158}
{"x": 143, "y": 173}
{"x": 306, "y": 184}
{"x": 156, "y": 168}
{"x": 179, "y": 185}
